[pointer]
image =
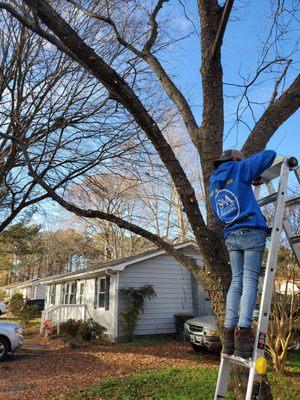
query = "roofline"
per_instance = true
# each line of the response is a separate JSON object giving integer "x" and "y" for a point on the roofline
{"x": 22, "y": 284}
{"x": 117, "y": 266}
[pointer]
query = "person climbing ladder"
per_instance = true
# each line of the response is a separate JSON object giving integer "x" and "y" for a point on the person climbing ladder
{"x": 245, "y": 231}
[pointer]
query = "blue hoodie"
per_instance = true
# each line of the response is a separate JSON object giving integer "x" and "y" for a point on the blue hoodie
{"x": 231, "y": 194}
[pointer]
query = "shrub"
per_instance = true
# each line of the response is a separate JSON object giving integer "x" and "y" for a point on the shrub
{"x": 137, "y": 297}
{"x": 28, "y": 313}
{"x": 22, "y": 311}
{"x": 76, "y": 333}
{"x": 16, "y": 304}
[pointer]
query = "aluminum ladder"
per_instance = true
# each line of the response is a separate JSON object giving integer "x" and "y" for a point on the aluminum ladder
{"x": 257, "y": 364}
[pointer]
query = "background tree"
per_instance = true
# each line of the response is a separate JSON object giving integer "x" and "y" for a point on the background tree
{"x": 47, "y": 107}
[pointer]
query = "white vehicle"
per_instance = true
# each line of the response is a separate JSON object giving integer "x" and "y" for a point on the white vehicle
{"x": 11, "y": 338}
{"x": 2, "y": 307}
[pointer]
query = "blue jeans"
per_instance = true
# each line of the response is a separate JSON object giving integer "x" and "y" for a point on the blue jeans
{"x": 245, "y": 247}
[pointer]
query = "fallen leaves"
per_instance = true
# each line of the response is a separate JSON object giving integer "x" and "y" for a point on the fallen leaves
{"x": 48, "y": 369}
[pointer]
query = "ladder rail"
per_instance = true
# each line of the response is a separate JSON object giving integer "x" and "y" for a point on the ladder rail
{"x": 269, "y": 279}
{"x": 287, "y": 227}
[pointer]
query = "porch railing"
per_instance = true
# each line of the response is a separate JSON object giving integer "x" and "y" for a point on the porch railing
{"x": 62, "y": 312}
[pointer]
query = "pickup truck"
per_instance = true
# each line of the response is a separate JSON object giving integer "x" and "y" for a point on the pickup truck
{"x": 11, "y": 338}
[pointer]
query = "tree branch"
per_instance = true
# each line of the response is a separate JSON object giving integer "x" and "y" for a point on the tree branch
{"x": 274, "y": 116}
{"x": 171, "y": 89}
{"x": 121, "y": 91}
{"x": 221, "y": 28}
{"x": 37, "y": 29}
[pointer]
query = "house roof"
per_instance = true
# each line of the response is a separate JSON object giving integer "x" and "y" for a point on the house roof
{"x": 32, "y": 282}
{"x": 112, "y": 266}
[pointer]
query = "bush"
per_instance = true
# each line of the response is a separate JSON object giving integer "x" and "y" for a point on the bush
{"x": 22, "y": 311}
{"x": 29, "y": 312}
{"x": 76, "y": 333}
{"x": 16, "y": 304}
{"x": 137, "y": 297}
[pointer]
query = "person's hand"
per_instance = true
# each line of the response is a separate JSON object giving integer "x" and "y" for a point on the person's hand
{"x": 258, "y": 181}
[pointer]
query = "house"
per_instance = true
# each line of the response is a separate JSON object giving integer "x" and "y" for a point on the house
{"x": 33, "y": 289}
{"x": 94, "y": 292}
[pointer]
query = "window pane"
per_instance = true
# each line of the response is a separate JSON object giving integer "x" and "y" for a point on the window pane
{"x": 101, "y": 299}
{"x": 72, "y": 298}
{"x": 102, "y": 285}
{"x": 73, "y": 287}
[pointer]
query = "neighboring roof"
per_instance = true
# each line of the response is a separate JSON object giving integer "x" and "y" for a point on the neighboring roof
{"x": 116, "y": 265}
{"x": 32, "y": 282}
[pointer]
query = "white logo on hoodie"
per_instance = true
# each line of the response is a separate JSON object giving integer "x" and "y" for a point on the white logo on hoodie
{"x": 228, "y": 206}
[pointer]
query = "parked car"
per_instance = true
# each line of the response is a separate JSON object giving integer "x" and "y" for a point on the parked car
{"x": 2, "y": 307}
{"x": 202, "y": 332}
{"x": 11, "y": 338}
{"x": 37, "y": 302}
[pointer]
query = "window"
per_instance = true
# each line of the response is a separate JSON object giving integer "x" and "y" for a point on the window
{"x": 69, "y": 293}
{"x": 102, "y": 292}
{"x": 66, "y": 291}
{"x": 52, "y": 294}
{"x": 81, "y": 293}
{"x": 73, "y": 287}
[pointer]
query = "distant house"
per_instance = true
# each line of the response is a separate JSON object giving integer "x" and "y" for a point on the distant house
{"x": 94, "y": 292}
{"x": 33, "y": 289}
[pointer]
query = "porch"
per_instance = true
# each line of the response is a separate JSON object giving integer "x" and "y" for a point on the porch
{"x": 62, "y": 312}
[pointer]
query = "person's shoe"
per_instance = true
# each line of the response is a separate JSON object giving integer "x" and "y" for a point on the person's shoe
{"x": 228, "y": 341}
{"x": 243, "y": 342}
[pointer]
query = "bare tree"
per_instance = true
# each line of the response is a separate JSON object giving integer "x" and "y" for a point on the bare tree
{"x": 48, "y": 107}
{"x": 137, "y": 29}
{"x": 117, "y": 195}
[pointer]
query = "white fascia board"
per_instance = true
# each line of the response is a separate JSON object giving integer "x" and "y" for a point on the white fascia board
{"x": 121, "y": 267}
{"x": 22, "y": 284}
{"x": 74, "y": 276}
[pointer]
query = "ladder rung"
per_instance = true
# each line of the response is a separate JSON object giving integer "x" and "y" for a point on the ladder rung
{"x": 295, "y": 239}
{"x": 292, "y": 202}
{"x": 272, "y": 198}
{"x": 238, "y": 360}
{"x": 267, "y": 200}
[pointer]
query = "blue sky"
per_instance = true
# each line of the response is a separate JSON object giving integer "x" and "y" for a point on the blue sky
{"x": 241, "y": 47}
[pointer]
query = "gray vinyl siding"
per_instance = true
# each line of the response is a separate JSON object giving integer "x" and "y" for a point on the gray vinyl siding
{"x": 172, "y": 284}
{"x": 102, "y": 316}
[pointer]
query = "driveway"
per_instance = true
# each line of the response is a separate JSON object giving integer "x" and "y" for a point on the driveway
{"x": 44, "y": 369}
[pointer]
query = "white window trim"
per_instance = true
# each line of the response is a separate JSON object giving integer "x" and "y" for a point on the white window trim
{"x": 98, "y": 292}
{"x": 69, "y": 285}
{"x": 52, "y": 287}
{"x": 83, "y": 293}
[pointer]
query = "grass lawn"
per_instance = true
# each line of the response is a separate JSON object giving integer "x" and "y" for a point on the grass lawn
{"x": 168, "y": 384}
{"x": 182, "y": 384}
